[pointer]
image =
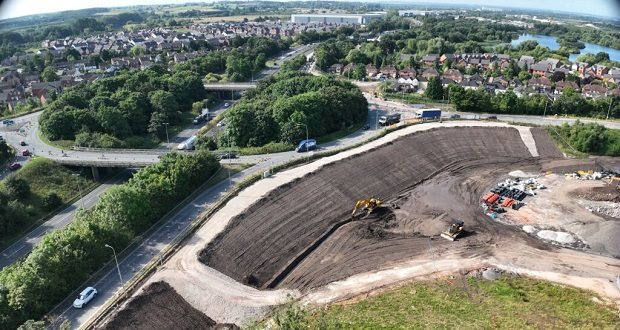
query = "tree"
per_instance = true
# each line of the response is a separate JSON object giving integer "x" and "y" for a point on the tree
{"x": 32, "y": 325}
{"x": 137, "y": 51}
{"x": 16, "y": 188}
{"x": 51, "y": 201}
{"x": 157, "y": 124}
{"x": 434, "y": 91}
{"x": 49, "y": 74}
{"x": 524, "y": 76}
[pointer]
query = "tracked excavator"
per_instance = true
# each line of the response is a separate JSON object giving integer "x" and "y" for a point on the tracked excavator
{"x": 617, "y": 180}
{"x": 367, "y": 205}
{"x": 455, "y": 230}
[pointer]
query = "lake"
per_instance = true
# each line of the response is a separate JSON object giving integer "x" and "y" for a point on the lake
{"x": 551, "y": 42}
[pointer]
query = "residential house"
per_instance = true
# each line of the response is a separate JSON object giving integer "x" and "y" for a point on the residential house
{"x": 430, "y": 59}
{"x": 371, "y": 70}
{"x": 407, "y": 72}
{"x": 594, "y": 91}
{"x": 453, "y": 74}
{"x": 429, "y": 73}
{"x": 389, "y": 71}
{"x": 560, "y": 86}
{"x": 525, "y": 62}
{"x": 447, "y": 57}
{"x": 598, "y": 70}
{"x": 540, "y": 84}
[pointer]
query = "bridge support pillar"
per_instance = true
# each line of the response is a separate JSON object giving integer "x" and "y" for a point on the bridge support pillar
{"x": 95, "y": 171}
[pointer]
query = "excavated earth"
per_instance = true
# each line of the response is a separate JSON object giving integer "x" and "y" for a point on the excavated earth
{"x": 160, "y": 307}
{"x": 301, "y": 235}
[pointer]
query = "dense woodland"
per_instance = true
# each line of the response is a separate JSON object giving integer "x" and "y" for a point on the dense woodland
{"x": 278, "y": 110}
{"x": 123, "y": 110}
{"x": 66, "y": 257}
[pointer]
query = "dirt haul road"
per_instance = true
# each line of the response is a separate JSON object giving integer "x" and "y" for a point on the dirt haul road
{"x": 296, "y": 236}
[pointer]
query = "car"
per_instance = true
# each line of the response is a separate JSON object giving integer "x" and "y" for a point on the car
{"x": 221, "y": 124}
{"x": 85, "y": 297}
{"x": 228, "y": 155}
{"x": 226, "y": 105}
{"x": 15, "y": 166}
{"x": 366, "y": 127}
{"x": 22, "y": 143}
{"x": 25, "y": 152}
{"x": 455, "y": 116}
{"x": 492, "y": 117}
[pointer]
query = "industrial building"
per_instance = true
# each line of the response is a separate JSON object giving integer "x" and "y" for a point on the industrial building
{"x": 336, "y": 18}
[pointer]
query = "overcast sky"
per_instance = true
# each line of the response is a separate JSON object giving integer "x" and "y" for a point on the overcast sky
{"x": 15, "y": 8}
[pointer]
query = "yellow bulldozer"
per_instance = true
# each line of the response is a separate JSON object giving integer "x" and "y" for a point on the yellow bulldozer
{"x": 455, "y": 230}
{"x": 367, "y": 205}
{"x": 615, "y": 181}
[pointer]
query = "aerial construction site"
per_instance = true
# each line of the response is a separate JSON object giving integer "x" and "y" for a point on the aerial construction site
{"x": 435, "y": 199}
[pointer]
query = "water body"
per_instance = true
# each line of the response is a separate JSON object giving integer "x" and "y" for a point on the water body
{"x": 547, "y": 41}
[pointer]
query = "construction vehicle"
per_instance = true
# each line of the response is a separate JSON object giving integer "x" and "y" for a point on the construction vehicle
{"x": 367, "y": 205}
{"x": 455, "y": 230}
{"x": 615, "y": 178}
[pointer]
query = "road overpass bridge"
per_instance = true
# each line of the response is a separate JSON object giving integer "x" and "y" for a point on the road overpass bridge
{"x": 227, "y": 87}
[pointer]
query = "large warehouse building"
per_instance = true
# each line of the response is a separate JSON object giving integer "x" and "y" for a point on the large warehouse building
{"x": 336, "y": 18}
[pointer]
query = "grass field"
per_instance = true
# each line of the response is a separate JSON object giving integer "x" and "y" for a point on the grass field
{"x": 463, "y": 303}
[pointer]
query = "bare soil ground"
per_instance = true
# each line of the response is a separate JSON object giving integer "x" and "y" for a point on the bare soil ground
{"x": 545, "y": 144}
{"x": 296, "y": 236}
{"x": 431, "y": 177}
{"x": 160, "y": 307}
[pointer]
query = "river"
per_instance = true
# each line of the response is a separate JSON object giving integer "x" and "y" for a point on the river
{"x": 551, "y": 42}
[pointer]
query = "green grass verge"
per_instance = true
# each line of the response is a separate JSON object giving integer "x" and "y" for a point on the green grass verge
{"x": 462, "y": 303}
{"x": 340, "y": 134}
{"x": 60, "y": 144}
{"x": 44, "y": 177}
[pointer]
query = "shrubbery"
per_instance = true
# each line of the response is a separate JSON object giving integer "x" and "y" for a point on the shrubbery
{"x": 588, "y": 138}
{"x": 278, "y": 110}
{"x": 66, "y": 257}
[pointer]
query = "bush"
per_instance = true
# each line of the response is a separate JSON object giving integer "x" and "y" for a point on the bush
{"x": 16, "y": 188}
{"x": 588, "y": 138}
{"x": 51, "y": 201}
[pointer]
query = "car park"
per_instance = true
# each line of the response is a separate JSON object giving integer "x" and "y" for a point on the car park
{"x": 85, "y": 297}
{"x": 15, "y": 166}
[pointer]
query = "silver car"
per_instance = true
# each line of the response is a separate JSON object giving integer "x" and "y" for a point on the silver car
{"x": 85, "y": 297}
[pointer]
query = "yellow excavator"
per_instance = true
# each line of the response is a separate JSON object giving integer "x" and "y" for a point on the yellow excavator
{"x": 454, "y": 231}
{"x": 368, "y": 205}
{"x": 615, "y": 178}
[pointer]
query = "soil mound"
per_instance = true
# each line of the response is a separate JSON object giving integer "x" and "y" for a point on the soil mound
{"x": 599, "y": 194}
{"x": 160, "y": 307}
{"x": 259, "y": 246}
{"x": 545, "y": 145}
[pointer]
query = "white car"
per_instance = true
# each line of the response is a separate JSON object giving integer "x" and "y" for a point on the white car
{"x": 226, "y": 105}
{"x": 85, "y": 297}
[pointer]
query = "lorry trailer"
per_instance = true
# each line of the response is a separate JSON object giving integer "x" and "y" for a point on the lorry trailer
{"x": 428, "y": 114}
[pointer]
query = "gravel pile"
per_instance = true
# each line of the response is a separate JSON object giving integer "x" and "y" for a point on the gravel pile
{"x": 605, "y": 208}
{"x": 491, "y": 274}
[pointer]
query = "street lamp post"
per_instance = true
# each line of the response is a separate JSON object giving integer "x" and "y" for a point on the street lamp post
{"x": 116, "y": 260}
{"x": 79, "y": 188}
{"x": 611, "y": 100}
{"x": 306, "y": 126}
{"x": 167, "y": 138}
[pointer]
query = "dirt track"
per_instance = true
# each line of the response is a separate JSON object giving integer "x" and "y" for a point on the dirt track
{"x": 436, "y": 164}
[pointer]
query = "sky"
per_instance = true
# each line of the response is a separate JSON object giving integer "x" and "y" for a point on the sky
{"x": 16, "y": 8}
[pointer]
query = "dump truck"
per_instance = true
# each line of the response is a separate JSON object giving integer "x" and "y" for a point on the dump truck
{"x": 389, "y": 119}
{"x": 428, "y": 114}
{"x": 455, "y": 230}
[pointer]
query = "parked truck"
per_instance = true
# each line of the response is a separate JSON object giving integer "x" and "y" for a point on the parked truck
{"x": 389, "y": 119}
{"x": 428, "y": 114}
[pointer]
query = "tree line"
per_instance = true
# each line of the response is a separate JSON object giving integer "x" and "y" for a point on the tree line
{"x": 279, "y": 109}
{"x": 570, "y": 103}
{"x": 67, "y": 257}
